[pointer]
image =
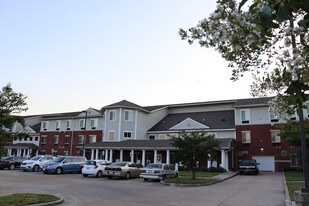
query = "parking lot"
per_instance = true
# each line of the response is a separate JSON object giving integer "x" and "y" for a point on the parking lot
{"x": 263, "y": 189}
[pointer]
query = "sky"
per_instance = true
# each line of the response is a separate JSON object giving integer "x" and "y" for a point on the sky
{"x": 70, "y": 55}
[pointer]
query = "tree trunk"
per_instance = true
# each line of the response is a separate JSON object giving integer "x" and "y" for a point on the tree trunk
{"x": 193, "y": 173}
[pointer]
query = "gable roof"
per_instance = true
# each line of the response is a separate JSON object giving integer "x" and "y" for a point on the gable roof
{"x": 252, "y": 102}
{"x": 125, "y": 104}
{"x": 214, "y": 120}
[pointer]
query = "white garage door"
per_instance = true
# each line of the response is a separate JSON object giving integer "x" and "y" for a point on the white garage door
{"x": 267, "y": 163}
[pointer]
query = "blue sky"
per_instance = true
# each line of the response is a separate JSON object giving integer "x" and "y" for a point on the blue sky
{"x": 70, "y": 55}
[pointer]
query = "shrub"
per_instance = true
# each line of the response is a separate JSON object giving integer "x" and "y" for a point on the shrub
{"x": 216, "y": 169}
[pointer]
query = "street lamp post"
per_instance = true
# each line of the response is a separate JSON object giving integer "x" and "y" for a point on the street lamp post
{"x": 84, "y": 139}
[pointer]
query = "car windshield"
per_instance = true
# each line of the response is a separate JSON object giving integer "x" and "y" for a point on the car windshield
{"x": 58, "y": 159}
{"x": 248, "y": 162}
{"x": 120, "y": 164}
{"x": 154, "y": 166}
{"x": 90, "y": 163}
{"x": 36, "y": 158}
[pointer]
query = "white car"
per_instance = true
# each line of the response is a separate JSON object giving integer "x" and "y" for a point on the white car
{"x": 159, "y": 171}
{"x": 94, "y": 167}
{"x": 35, "y": 163}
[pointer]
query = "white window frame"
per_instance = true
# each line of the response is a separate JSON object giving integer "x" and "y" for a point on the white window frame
{"x": 247, "y": 138}
{"x": 58, "y": 123}
{"x": 92, "y": 138}
{"x": 247, "y": 117}
{"x": 162, "y": 135}
{"x": 109, "y": 115}
{"x": 82, "y": 123}
{"x": 45, "y": 138}
{"x": 130, "y": 115}
{"x": 68, "y": 124}
{"x": 277, "y": 137}
{"x": 82, "y": 138}
{"x": 95, "y": 123}
{"x": 127, "y": 132}
{"x": 56, "y": 139}
{"x": 108, "y": 135}
{"x": 45, "y": 125}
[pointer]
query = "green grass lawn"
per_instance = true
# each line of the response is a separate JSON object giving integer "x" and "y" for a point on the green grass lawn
{"x": 199, "y": 174}
{"x": 21, "y": 199}
{"x": 294, "y": 181}
{"x": 294, "y": 186}
{"x": 294, "y": 176}
{"x": 187, "y": 180}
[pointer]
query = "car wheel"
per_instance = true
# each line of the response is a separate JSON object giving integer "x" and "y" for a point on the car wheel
{"x": 58, "y": 171}
{"x": 145, "y": 179}
{"x": 110, "y": 177}
{"x": 85, "y": 175}
{"x": 127, "y": 176}
{"x": 99, "y": 174}
{"x": 36, "y": 168}
{"x": 11, "y": 166}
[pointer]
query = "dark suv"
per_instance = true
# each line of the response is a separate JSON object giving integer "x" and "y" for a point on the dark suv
{"x": 249, "y": 166}
{"x": 11, "y": 162}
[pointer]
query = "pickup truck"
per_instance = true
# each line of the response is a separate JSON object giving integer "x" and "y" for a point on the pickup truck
{"x": 249, "y": 166}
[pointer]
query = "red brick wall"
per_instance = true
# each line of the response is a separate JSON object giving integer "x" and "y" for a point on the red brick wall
{"x": 261, "y": 138}
{"x": 61, "y": 146}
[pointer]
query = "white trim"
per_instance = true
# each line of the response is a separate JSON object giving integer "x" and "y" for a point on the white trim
{"x": 245, "y": 110}
{"x": 188, "y": 120}
{"x": 120, "y": 120}
{"x": 127, "y": 137}
{"x": 245, "y": 132}
{"x": 105, "y": 123}
{"x": 282, "y": 160}
{"x": 206, "y": 130}
{"x": 135, "y": 126}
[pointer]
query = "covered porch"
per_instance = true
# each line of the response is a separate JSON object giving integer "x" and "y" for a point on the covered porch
{"x": 22, "y": 149}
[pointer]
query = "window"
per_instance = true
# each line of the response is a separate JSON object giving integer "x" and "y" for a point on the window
{"x": 273, "y": 117}
{"x": 127, "y": 134}
{"x": 58, "y": 122}
{"x": 152, "y": 137}
{"x": 56, "y": 139}
{"x": 93, "y": 123}
{"x": 295, "y": 160}
{"x": 82, "y": 123}
{"x": 162, "y": 136}
{"x": 81, "y": 139}
{"x": 36, "y": 138}
{"x": 245, "y": 115}
{"x": 66, "y": 153}
{"x": 275, "y": 136}
{"x": 67, "y": 139}
{"x": 68, "y": 124}
{"x": 45, "y": 125}
{"x": 246, "y": 137}
{"x": 112, "y": 115}
{"x": 284, "y": 153}
{"x": 30, "y": 138}
{"x": 128, "y": 115}
{"x": 20, "y": 138}
{"x": 307, "y": 105}
{"x": 43, "y": 139}
{"x": 92, "y": 138}
{"x": 111, "y": 135}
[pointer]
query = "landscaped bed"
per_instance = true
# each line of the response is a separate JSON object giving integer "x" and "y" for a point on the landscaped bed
{"x": 21, "y": 199}
{"x": 294, "y": 182}
{"x": 189, "y": 180}
{"x": 199, "y": 174}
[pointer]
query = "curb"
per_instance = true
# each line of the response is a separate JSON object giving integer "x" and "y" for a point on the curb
{"x": 57, "y": 202}
{"x": 287, "y": 201}
{"x": 197, "y": 185}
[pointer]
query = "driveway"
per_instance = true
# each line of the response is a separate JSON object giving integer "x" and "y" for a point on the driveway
{"x": 262, "y": 190}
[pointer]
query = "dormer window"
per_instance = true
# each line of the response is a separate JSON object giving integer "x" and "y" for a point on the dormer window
{"x": 45, "y": 125}
{"x": 93, "y": 123}
{"x": 82, "y": 123}
{"x": 245, "y": 116}
{"x": 68, "y": 124}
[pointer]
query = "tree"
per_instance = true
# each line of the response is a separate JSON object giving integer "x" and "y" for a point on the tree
{"x": 194, "y": 147}
{"x": 10, "y": 103}
{"x": 290, "y": 133}
{"x": 268, "y": 38}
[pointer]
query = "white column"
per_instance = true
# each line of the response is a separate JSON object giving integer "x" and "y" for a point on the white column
{"x": 227, "y": 161}
{"x": 18, "y": 152}
{"x": 84, "y": 152}
{"x": 106, "y": 155}
{"x": 111, "y": 155}
{"x": 143, "y": 157}
{"x": 97, "y": 154}
{"x": 37, "y": 152}
{"x": 155, "y": 156}
{"x": 132, "y": 155}
{"x": 92, "y": 154}
{"x": 121, "y": 155}
{"x": 29, "y": 153}
{"x": 9, "y": 152}
{"x": 224, "y": 160}
{"x": 167, "y": 156}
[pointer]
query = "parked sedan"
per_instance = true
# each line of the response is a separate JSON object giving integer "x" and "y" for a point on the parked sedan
{"x": 249, "y": 166}
{"x": 11, "y": 162}
{"x": 122, "y": 169}
{"x": 159, "y": 172}
{"x": 95, "y": 167}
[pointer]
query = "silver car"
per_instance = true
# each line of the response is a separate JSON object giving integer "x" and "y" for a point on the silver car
{"x": 159, "y": 172}
{"x": 122, "y": 169}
